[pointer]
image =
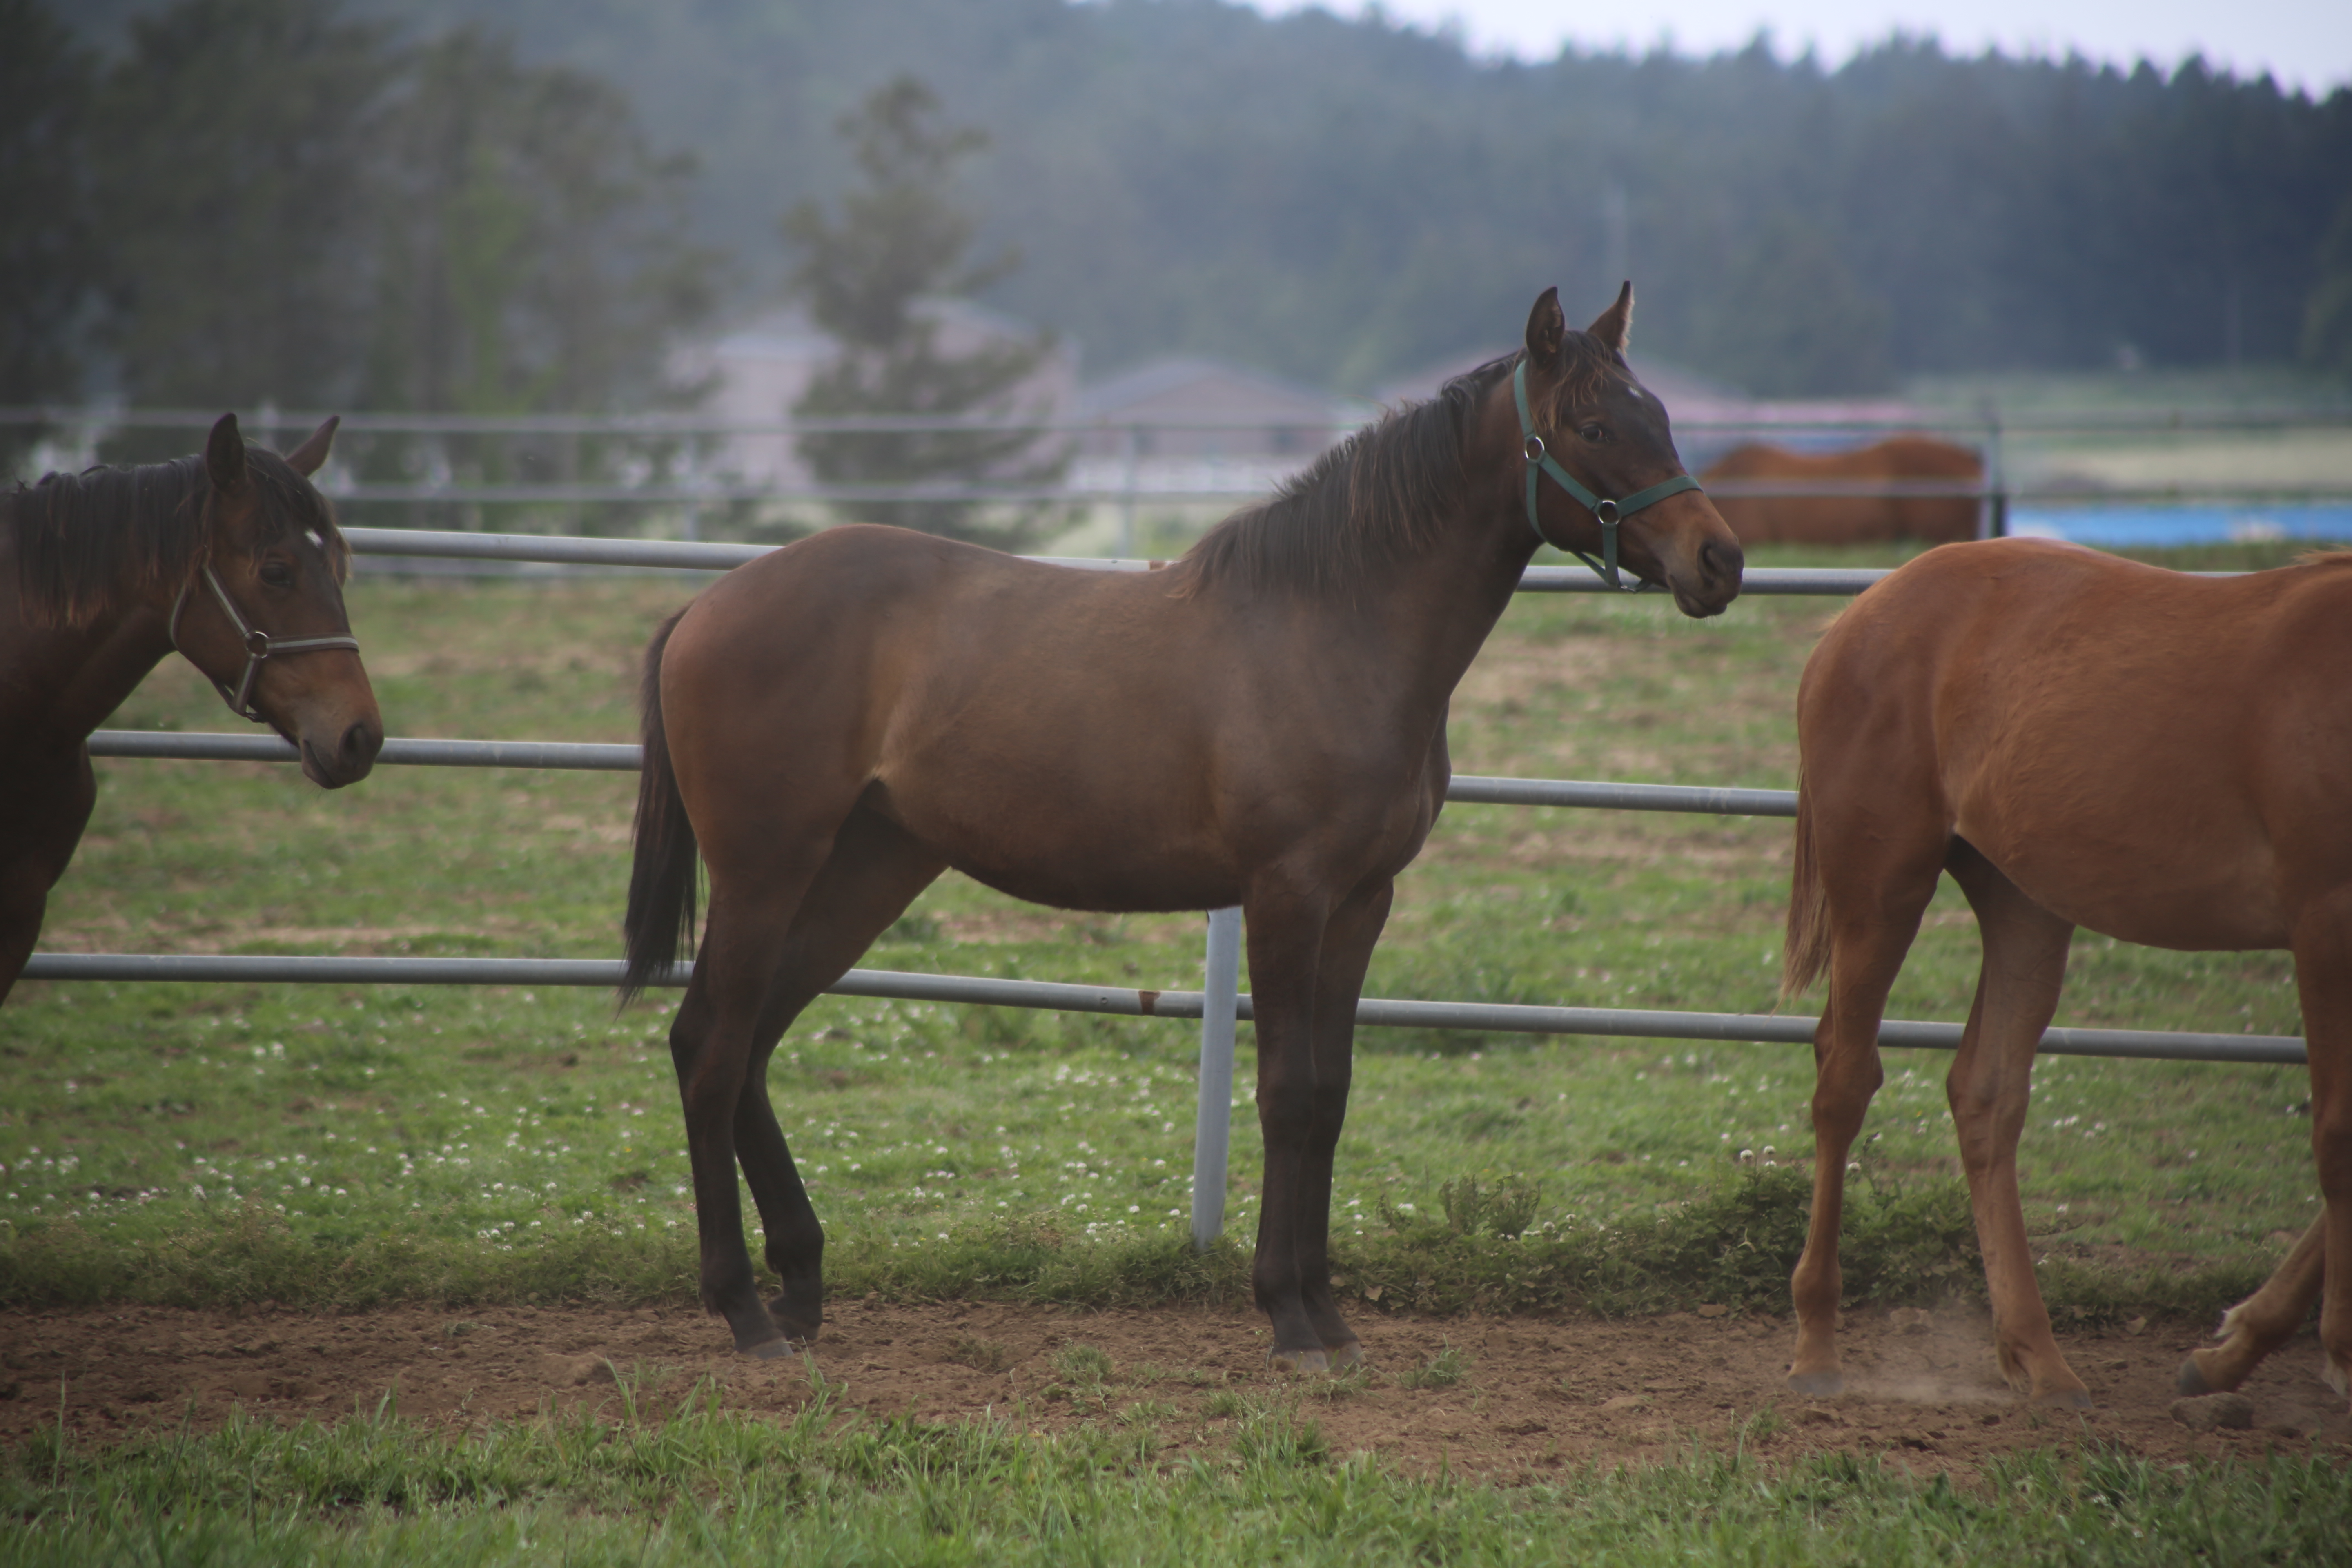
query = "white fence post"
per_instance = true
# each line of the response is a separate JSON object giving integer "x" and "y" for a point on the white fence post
{"x": 1212, "y": 1123}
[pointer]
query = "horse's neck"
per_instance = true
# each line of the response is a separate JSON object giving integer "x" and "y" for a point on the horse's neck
{"x": 65, "y": 682}
{"x": 1426, "y": 616}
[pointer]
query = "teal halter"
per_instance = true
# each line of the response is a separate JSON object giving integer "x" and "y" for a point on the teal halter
{"x": 1607, "y": 513}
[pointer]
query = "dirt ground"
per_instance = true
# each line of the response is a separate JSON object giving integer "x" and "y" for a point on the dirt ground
{"x": 1535, "y": 1394}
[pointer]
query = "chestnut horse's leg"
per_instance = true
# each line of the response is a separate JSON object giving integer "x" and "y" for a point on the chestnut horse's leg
{"x": 2322, "y": 970}
{"x": 2263, "y": 1322}
{"x": 1990, "y": 1082}
{"x": 875, "y": 871}
{"x": 1293, "y": 1106}
{"x": 1348, "y": 943}
{"x": 1876, "y": 895}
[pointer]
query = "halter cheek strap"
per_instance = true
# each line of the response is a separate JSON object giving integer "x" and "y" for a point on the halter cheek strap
{"x": 257, "y": 645}
{"x": 1607, "y": 513}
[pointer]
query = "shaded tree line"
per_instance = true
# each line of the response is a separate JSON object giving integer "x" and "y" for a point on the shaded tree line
{"x": 1341, "y": 199}
{"x": 242, "y": 202}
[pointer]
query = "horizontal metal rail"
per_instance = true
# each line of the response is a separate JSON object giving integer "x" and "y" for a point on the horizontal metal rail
{"x": 1125, "y": 1002}
{"x": 215, "y": 746}
{"x": 576, "y": 550}
{"x": 715, "y": 492}
{"x": 1765, "y": 421}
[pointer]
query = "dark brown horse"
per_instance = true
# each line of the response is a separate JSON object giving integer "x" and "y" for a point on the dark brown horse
{"x": 1836, "y": 518}
{"x": 1261, "y": 723}
{"x": 2079, "y": 740}
{"x": 232, "y": 557}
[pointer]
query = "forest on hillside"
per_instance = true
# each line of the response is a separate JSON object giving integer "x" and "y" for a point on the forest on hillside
{"x": 1334, "y": 200}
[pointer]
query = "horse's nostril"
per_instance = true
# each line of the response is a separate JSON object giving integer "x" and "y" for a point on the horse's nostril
{"x": 361, "y": 742}
{"x": 1724, "y": 559}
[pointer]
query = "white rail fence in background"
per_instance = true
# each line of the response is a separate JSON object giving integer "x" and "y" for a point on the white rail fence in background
{"x": 1219, "y": 1004}
{"x": 682, "y": 464}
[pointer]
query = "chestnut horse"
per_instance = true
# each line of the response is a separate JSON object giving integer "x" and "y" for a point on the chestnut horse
{"x": 234, "y": 559}
{"x": 2079, "y": 740}
{"x": 1799, "y": 518}
{"x": 1262, "y": 723}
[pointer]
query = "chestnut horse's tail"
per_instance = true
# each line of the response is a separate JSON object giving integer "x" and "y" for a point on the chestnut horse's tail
{"x": 660, "y": 919}
{"x": 1805, "y": 951}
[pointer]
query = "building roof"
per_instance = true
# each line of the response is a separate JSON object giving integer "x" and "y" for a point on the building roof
{"x": 1204, "y": 387}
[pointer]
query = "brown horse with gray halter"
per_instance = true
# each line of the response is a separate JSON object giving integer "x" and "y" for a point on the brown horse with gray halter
{"x": 2079, "y": 740}
{"x": 232, "y": 558}
{"x": 1263, "y": 722}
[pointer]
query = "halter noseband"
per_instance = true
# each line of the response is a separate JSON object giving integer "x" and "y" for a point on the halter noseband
{"x": 257, "y": 645}
{"x": 1607, "y": 513}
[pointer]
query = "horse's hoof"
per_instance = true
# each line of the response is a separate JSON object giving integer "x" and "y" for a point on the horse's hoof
{"x": 2064, "y": 1399}
{"x": 1347, "y": 1355}
{"x": 2191, "y": 1383}
{"x": 800, "y": 1330}
{"x": 767, "y": 1350}
{"x": 1817, "y": 1384}
{"x": 1313, "y": 1359}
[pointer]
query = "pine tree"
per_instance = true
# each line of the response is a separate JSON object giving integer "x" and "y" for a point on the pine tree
{"x": 867, "y": 276}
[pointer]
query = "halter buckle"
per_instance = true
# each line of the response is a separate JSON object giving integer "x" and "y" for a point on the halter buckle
{"x": 1534, "y": 447}
{"x": 256, "y": 642}
{"x": 1606, "y": 513}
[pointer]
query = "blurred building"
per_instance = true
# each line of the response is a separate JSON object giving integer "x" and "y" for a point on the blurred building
{"x": 757, "y": 370}
{"x": 1184, "y": 424}
{"x": 1709, "y": 416}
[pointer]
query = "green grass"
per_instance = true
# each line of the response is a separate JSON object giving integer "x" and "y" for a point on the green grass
{"x": 342, "y": 1145}
{"x": 700, "y": 1484}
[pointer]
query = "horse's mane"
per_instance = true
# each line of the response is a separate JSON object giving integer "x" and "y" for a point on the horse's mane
{"x": 1376, "y": 497}
{"x": 86, "y": 544}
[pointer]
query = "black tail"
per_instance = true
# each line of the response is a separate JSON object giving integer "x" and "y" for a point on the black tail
{"x": 662, "y": 889}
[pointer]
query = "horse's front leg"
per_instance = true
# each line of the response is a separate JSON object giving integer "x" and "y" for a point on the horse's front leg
{"x": 1348, "y": 943}
{"x": 1293, "y": 1106}
{"x": 2323, "y": 969}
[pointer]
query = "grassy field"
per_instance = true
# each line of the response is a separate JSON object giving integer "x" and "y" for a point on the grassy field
{"x": 695, "y": 1485}
{"x": 339, "y": 1147}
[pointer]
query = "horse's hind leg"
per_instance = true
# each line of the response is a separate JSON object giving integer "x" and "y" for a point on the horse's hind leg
{"x": 757, "y": 885}
{"x": 874, "y": 872}
{"x": 1876, "y": 899}
{"x": 1990, "y": 1082}
{"x": 2263, "y": 1322}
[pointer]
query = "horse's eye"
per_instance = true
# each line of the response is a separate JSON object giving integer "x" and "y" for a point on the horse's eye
{"x": 277, "y": 573}
{"x": 1592, "y": 433}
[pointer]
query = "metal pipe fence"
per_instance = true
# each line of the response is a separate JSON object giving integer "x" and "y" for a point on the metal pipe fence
{"x": 1218, "y": 1007}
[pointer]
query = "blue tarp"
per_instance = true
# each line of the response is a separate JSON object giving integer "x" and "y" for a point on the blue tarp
{"x": 2118, "y": 526}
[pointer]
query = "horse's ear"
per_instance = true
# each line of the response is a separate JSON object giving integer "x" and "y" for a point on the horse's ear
{"x": 305, "y": 459}
{"x": 225, "y": 456}
{"x": 1615, "y": 326}
{"x": 1546, "y": 328}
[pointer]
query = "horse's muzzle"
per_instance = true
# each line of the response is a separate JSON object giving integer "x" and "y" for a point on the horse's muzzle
{"x": 1708, "y": 588}
{"x": 349, "y": 759}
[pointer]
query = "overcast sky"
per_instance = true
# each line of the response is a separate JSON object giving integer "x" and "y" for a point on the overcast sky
{"x": 2303, "y": 43}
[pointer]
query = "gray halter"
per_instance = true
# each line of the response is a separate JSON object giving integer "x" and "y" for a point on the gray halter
{"x": 257, "y": 645}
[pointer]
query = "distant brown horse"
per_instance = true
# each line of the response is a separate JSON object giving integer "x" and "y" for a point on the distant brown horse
{"x": 1799, "y": 518}
{"x": 233, "y": 558}
{"x": 1263, "y": 722}
{"x": 2080, "y": 741}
